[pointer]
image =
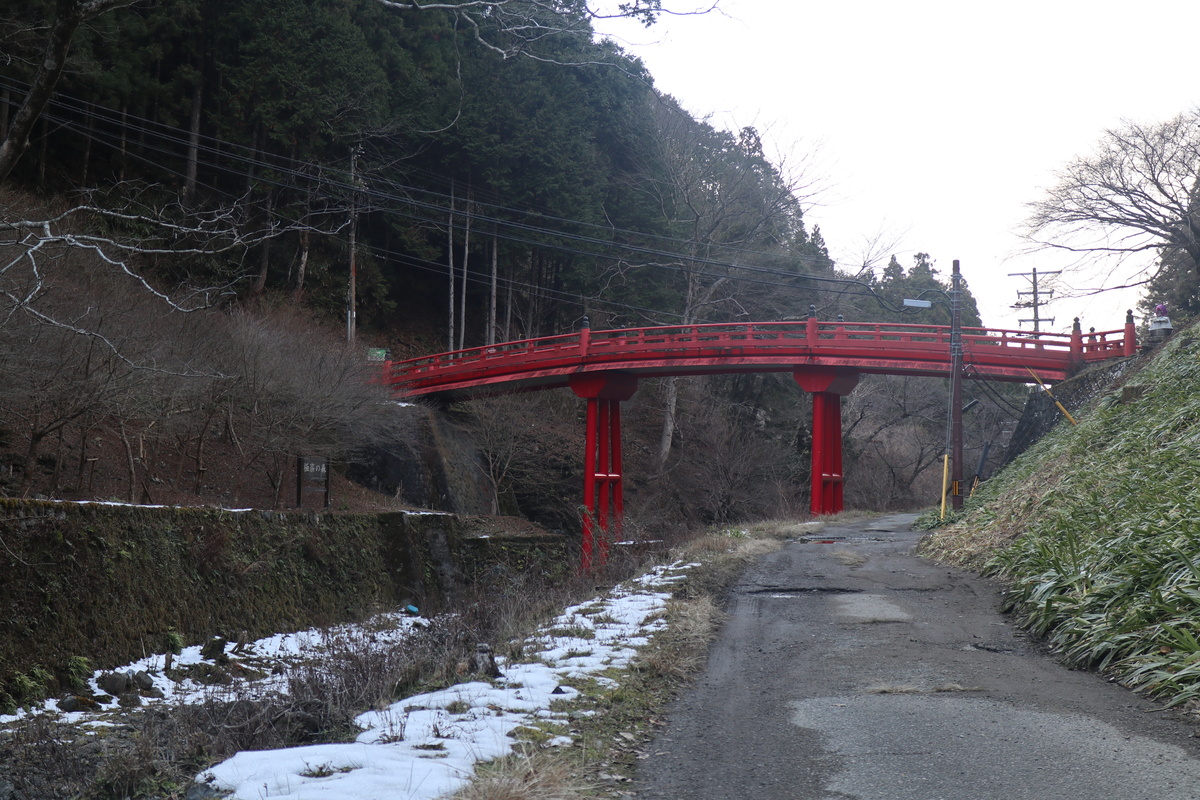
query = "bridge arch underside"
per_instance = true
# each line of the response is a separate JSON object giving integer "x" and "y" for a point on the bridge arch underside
{"x": 827, "y": 380}
{"x": 484, "y": 382}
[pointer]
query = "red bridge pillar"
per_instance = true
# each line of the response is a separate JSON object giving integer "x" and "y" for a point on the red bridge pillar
{"x": 827, "y": 385}
{"x": 603, "y": 495}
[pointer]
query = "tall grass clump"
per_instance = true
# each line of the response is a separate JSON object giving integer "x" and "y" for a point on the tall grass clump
{"x": 1096, "y": 530}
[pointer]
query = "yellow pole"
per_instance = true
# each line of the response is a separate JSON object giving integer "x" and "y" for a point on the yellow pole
{"x": 945, "y": 481}
{"x": 1046, "y": 389}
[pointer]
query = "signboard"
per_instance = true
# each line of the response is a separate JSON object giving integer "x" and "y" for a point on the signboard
{"x": 312, "y": 475}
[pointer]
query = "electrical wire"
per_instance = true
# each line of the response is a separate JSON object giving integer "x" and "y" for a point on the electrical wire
{"x": 436, "y": 211}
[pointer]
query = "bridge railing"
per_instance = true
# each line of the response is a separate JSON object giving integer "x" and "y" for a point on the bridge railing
{"x": 755, "y": 338}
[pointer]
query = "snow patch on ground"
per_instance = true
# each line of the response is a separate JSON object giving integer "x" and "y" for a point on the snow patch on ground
{"x": 427, "y": 745}
{"x": 423, "y": 746}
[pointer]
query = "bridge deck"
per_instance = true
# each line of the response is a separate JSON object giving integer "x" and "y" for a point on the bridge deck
{"x": 885, "y": 348}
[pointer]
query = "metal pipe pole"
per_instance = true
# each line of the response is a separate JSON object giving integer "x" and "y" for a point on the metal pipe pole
{"x": 956, "y": 360}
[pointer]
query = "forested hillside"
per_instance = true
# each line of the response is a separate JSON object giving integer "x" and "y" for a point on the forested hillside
{"x": 214, "y": 189}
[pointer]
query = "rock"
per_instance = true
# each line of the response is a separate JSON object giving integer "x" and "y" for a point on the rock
{"x": 115, "y": 683}
{"x": 142, "y": 680}
{"x": 129, "y": 700}
{"x": 203, "y": 791}
{"x": 77, "y": 702}
{"x": 484, "y": 663}
{"x": 213, "y": 649}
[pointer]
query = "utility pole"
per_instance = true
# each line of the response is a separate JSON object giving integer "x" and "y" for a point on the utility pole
{"x": 956, "y": 363}
{"x": 351, "y": 290}
{"x": 1035, "y": 300}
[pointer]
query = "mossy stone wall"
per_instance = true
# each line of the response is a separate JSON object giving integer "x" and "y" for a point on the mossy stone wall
{"x": 111, "y": 582}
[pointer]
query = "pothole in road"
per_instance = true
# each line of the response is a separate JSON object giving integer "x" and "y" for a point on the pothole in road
{"x": 784, "y": 591}
{"x": 841, "y": 539}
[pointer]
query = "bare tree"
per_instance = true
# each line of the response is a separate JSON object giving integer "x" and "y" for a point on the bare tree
{"x": 296, "y": 391}
{"x": 729, "y": 205}
{"x": 68, "y": 15}
{"x": 736, "y": 473}
{"x": 517, "y": 27}
{"x": 37, "y": 245}
{"x": 1136, "y": 200}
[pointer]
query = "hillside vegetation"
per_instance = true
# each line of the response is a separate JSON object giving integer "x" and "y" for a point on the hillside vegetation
{"x": 1096, "y": 529}
{"x": 212, "y": 188}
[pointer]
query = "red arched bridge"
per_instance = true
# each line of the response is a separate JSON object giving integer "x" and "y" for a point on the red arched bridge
{"x": 825, "y": 358}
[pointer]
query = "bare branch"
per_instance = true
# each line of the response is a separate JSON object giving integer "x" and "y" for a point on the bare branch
{"x": 1139, "y": 193}
{"x": 68, "y": 16}
{"x": 44, "y": 254}
{"x": 516, "y": 27}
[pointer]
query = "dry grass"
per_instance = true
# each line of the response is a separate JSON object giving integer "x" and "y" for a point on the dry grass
{"x": 158, "y": 750}
{"x": 742, "y": 544}
{"x": 991, "y": 526}
{"x": 849, "y": 558}
{"x": 908, "y": 688}
{"x": 680, "y": 651}
{"x": 527, "y": 775}
{"x": 785, "y": 529}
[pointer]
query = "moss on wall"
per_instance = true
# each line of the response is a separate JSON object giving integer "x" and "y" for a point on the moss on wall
{"x": 110, "y": 583}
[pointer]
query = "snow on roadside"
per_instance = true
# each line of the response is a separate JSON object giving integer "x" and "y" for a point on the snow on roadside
{"x": 266, "y": 659}
{"x": 420, "y": 747}
{"x": 425, "y": 746}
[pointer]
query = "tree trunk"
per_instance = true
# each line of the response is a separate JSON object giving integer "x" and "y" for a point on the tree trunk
{"x": 491, "y": 317}
{"x": 5, "y": 99}
{"x": 462, "y": 324}
{"x": 45, "y": 144}
{"x": 670, "y": 404}
{"x": 54, "y": 59}
{"x": 87, "y": 150}
{"x": 124, "y": 143}
{"x": 304, "y": 247}
{"x": 352, "y": 289}
{"x": 450, "y": 250}
{"x": 260, "y": 285}
{"x": 508, "y": 301}
{"x": 130, "y": 465}
{"x": 57, "y": 474}
{"x": 193, "y": 151}
{"x": 35, "y": 441}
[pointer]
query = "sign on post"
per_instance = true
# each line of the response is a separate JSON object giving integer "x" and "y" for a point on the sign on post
{"x": 312, "y": 475}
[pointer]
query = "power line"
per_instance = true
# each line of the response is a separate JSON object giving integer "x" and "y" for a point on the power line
{"x": 433, "y": 210}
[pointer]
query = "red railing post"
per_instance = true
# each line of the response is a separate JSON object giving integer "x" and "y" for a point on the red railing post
{"x": 585, "y": 336}
{"x": 1076, "y": 341}
{"x": 1130, "y": 334}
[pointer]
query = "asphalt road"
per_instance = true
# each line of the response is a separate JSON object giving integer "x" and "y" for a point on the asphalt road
{"x": 850, "y": 668}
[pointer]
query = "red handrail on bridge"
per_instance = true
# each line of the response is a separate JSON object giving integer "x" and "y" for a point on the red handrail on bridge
{"x": 871, "y": 347}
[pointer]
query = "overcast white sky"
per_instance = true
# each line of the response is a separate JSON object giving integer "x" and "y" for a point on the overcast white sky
{"x": 934, "y": 121}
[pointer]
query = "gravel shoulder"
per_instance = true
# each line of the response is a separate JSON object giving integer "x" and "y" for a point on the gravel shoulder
{"x": 851, "y": 668}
